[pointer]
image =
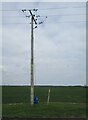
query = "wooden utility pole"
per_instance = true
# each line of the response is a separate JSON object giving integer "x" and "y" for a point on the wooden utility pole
{"x": 32, "y": 64}
{"x": 32, "y": 60}
{"x": 33, "y": 21}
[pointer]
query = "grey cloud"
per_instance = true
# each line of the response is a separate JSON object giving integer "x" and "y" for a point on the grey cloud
{"x": 59, "y": 52}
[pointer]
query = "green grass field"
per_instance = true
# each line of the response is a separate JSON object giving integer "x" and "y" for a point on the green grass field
{"x": 64, "y": 102}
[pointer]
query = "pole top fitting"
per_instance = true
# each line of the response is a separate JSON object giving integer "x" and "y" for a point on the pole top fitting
{"x": 23, "y": 10}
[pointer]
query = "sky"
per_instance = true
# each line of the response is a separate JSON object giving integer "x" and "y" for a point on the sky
{"x": 43, "y": 0}
{"x": 59, "y": 43}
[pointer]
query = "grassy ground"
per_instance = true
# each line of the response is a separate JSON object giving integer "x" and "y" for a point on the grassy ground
{"x": 19, "y": 94}
{"x": 43, "y": 110}
{"x": 64, "y": 102}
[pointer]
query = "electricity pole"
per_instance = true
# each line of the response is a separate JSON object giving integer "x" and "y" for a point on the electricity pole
{"x": 32, "y": 60}
{"x": 32, "y": 65}
{"x": 33, "y": 20}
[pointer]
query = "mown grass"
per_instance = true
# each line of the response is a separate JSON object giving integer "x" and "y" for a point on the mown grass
{"x": 64, "y": 102}
{"x": 44, "y": 111}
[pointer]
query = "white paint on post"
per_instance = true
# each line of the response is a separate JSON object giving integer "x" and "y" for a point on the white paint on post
{"x": 32, "y": 95}
{"x": 48, "y": 97}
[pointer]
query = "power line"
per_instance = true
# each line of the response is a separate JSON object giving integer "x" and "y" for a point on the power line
{"x": 63, "y": 8}
{"x": 52, "y": 22}
{"x": 47, "y": 15}
{"x": 65, "y": 15}
{"x": 68, "y": 15}
{"x": 46, "y": 8}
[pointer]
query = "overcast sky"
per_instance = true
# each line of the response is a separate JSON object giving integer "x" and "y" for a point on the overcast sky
{"x": 59, "y": 43}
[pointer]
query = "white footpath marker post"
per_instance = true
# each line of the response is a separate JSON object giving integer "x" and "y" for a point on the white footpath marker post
{"x": 48, "y": 99}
